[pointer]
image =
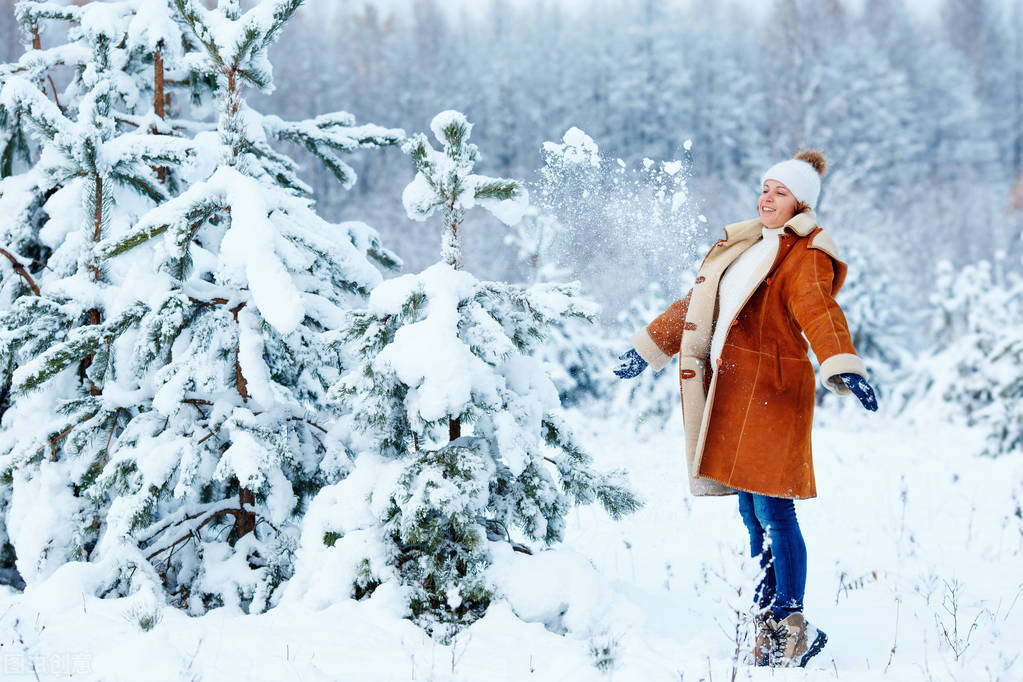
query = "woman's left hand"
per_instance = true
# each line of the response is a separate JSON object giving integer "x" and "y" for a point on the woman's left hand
{"x": 630, "y": 365}
{"x": 861, "y": 389}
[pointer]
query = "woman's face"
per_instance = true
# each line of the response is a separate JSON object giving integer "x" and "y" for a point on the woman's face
{"x": 776, "y": 205}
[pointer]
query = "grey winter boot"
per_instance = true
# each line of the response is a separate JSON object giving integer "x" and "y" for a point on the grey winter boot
{"x": 795, "y": 641}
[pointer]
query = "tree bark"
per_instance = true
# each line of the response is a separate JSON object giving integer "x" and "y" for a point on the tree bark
{"x": 97, "y": 234}
{"x": 159, "y": 101}
{"x": 246, "y": 520}
{"x": 239, "y": 378}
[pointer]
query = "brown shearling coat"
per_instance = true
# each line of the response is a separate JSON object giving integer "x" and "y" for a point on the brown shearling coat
{"x": 747, "y": 421}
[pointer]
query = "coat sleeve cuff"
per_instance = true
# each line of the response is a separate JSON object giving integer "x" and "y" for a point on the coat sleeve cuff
{"x": 648, "y": 350}
{"x": 843, "y": 363}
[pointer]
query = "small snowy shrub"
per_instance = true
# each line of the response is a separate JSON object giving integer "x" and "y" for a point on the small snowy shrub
{"x": 146, "y": 619}
{"x": 955, "y": 630}
{"x": 604, "y": 652}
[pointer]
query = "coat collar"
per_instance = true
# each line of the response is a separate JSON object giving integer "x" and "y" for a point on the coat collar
{"x": 801, "y": 223}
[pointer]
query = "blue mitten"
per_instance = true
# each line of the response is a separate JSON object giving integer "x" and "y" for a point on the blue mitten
{"x": 861, "y": 389}
{"x": 631, "y": 364}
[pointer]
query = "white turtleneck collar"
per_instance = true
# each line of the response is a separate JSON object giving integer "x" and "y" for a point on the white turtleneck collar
{"x": 735, "y": 284}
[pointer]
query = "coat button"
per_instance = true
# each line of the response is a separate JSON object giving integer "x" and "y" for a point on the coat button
{"x": 700, "y": 279}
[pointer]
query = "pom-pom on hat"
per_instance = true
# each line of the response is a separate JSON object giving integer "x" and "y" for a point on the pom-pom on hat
{"x": 801, "y": 174}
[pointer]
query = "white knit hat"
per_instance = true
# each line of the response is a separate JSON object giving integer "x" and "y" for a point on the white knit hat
{"x": 802, "y": 175}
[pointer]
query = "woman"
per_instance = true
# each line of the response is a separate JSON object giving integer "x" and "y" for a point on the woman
{"x": 748, "y": 385}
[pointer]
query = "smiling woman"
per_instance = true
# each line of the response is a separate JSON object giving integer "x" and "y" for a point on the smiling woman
{"x": 748, "y": 386}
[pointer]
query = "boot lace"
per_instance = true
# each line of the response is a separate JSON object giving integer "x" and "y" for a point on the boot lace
{"x": 779, "y": 635}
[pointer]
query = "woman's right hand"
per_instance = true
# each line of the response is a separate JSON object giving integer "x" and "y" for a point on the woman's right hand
{"x": 631, "y": 364}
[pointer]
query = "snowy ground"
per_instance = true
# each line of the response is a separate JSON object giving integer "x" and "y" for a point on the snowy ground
{"x": 909, "y": 526}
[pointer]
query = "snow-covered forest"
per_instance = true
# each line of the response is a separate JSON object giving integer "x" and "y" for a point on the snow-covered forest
{"x": 308, "y": 312}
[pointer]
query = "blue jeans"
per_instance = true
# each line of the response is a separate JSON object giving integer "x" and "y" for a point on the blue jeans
{"x": 783, "y": 560}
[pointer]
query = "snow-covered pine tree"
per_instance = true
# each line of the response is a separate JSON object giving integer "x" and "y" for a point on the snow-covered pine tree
{"x": 190, "y": 397}
{"x": 460, "y": 424}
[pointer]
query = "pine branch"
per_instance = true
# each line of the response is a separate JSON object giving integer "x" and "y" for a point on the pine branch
{"x": 79, "y": 344}
{"x": 37, "y": 61}
{"x": 336, "y": 132}
{"x": 310, "y": 423}
{"x": 30, "y": 12}
{"x": 110, "y": 437}
{"x": 585, "y": 486}
{"x": 279, "y": 166}
{"x": 179, "y": 527}
{"x": 25, "y": 99}
{"x": 456, "y": 132}
{"x": 249, "y": 40}
{"x": 16, "y": 146}
{"x": 194, "y": 17}
{"x": 191, "y": 214}
{"x": 417, "y": 147}
{"x": 18, "y": 268}
{"x": 284, "y": 10}
{"x": 140, "y": 186}
{"x": 37, "y": 45}
{"x": 338, "y": 168}
{"x": 498, "y": 188}
{"x": 88, "y": 407}
{"x": 384, "y": 257}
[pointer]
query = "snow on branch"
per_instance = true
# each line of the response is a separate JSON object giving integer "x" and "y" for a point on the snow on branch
{"x": 444, "y": 180}
{"x": 34, "y": 62}
{"x": 30, "y": 12}
{"x": 184, "y": 523}
{"x": 185, "y": 213}
{"x": 80, "y": 343}
{"x": 330, "y": 133}
{"x": 198, "y": 19}
{"x": 21, "y": 96}
{"x": 237, "y": 45}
